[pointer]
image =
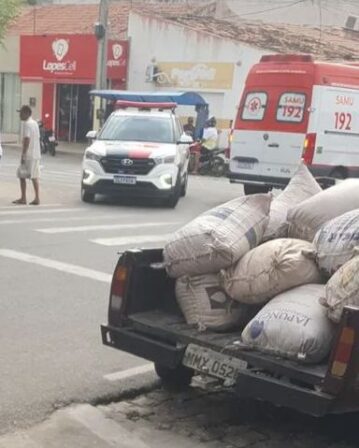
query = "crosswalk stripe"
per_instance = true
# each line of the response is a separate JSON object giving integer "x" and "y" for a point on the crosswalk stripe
{"x": 11, "y": 207}
{"x": 23, "y": 210}
{"x": 57, "y": 265}
{"x": 129, "y": 240}
{"x": 105, "y": 227}
{"x": 59, "y": 219}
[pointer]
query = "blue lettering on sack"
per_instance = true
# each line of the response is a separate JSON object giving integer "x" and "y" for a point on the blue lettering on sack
{"x": 256, "y": 329}
{"x": 251, "y": 238}
{"x": 221, "y": 213}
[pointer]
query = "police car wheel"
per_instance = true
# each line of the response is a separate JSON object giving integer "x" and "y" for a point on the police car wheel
{"x": 86, "y": 196}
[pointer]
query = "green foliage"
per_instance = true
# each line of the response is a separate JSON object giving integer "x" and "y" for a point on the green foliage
{"x": 8, "y": 11}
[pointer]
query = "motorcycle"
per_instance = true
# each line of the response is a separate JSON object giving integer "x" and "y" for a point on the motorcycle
{"x": 48, "y": 140}
{"x": 214, "y": 163}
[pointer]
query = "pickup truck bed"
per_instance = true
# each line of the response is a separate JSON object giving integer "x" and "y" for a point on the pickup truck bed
{"x": 149, "y": 324}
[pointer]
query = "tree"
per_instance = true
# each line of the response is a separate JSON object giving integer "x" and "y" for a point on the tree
{"x": 8, "y": 11}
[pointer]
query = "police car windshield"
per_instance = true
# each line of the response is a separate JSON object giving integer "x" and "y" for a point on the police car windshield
{"x": 138, "y": 128}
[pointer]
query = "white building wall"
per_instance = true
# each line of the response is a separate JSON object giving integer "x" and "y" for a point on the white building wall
{"x": 154, "y": 38}
{"x": 9, "y": 55}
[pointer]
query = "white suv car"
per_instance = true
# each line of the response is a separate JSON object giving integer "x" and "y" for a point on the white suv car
{"x": 139, "y": 152}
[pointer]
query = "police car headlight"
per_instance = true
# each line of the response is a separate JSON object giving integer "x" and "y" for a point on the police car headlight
{"x": 89, "y": 155}
{"x": 167, "y": 159}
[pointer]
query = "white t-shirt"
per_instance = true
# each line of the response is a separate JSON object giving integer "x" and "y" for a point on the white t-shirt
{"x": 210, "y": 137}
{"x": 31, "y": 130}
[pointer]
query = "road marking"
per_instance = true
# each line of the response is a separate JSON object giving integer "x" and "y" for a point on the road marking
{"x": 12, "y": 207}
{"x": 124, "y": 374}
{"x": 128, "y": 240}
{"x": 23, "y": 210}
{"x": 104, "y": 227}
{"x": 67, "y": 218}
{"x": 57, "y": 265}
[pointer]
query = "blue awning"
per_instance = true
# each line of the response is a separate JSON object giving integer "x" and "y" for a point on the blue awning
{"x": 180, "y": 98}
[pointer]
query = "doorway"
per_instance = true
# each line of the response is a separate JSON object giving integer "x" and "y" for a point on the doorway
{"x": 73, "y": 112}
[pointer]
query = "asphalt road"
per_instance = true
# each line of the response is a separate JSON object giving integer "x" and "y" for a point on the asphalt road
{"x": 56, "y": 262}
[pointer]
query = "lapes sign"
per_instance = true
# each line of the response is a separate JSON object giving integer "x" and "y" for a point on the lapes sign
{"x": 70, "y": 57}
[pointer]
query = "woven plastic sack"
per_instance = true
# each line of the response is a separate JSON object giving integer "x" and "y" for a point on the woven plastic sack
{"x": 308, "y": 217}
{"x": 270, "y": 269}
{"x": 218, "y": 238}
{"x": 301, "y": 187}
{"x": 342, "y": 289}
{"x": 337, "y": 242}
{"x": 204, "y": 303}
{"x": 293, "y": 325}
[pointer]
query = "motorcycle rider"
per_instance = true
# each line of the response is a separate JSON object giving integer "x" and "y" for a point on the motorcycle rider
{"x": 209, "y": 141}
{"x": 189, "y": 127}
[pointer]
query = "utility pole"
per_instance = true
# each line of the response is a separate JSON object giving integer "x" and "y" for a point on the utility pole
{"x": 101, "y": 66}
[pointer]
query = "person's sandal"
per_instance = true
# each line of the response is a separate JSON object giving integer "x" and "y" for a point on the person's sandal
{"x": 19, "y": 202}
{"x": 34, "y": 202}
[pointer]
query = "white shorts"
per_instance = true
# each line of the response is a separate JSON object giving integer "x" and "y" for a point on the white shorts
{"x": 30, "y": 169}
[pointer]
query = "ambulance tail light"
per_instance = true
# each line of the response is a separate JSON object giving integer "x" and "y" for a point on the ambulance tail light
{"x": 230, "y": 140}
{"x": 309, "y": 148}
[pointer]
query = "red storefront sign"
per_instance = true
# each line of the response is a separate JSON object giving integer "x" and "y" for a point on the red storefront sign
{"x": 70, "y": 58}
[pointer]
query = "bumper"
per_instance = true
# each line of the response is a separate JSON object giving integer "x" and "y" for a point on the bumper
{"x": 248, "y": 384}
{"x": 140, "y": 190}
{"x": 276, "y": 182}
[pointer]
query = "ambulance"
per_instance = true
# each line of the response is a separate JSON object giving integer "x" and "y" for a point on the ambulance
{"x": 293, "y": 107}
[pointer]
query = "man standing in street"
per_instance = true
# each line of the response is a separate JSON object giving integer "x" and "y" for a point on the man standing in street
{"x": 30, "y": 157}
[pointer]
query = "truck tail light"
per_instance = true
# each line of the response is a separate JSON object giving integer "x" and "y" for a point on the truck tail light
{"x": 343, "y": 352}
{"x": 309, "y": 148}
{"x": 117, "y": 294}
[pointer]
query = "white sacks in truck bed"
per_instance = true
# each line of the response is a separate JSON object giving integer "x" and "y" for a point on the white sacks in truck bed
{"x": 204, "y": 302}
{"x": 293, "y": 325}
{"x": 270, "y": 269}
{"x": 217, "y": 238}
{"x": 308, "y": 217}
{"x": 342, "y": 289}
{"x": 301, "y": 187}
{"x": 336, "y": 242}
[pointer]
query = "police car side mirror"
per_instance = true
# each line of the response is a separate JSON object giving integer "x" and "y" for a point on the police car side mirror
{"x": 91, "y": 135}
{"x": 185, "y": 139}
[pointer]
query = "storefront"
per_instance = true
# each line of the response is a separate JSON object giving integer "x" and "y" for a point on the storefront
{"x": 64, "y": 67}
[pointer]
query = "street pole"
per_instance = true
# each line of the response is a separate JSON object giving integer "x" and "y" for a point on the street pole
{"x": 101, "y": 65}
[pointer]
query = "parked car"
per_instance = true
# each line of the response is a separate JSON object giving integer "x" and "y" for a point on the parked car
{"x": 141, "y": 151}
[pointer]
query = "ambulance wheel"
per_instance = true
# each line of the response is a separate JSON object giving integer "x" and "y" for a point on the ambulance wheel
{"x": 176, "y": 377}
{"x": 339, "y": 173}
{"x": 254, "y": 189}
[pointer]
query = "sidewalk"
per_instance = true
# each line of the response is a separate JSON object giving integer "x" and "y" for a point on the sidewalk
{"x": 62, "y": 148}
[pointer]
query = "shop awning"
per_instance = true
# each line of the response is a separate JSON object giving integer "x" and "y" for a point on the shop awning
{"x": 180, "y": 98}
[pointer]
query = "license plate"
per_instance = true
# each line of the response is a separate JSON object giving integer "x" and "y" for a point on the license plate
{"x": 212, "y": 363}
{"x": 125, "y": 180}
{"x": 246, "y": 165}
{"x": 52, "y": 138}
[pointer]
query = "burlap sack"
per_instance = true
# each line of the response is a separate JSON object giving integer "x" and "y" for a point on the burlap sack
{"x": 307, "y": 218}
{"x": 337, "y": 242}
{"x": 204, "y": 303}
{"x": 342, "y": 289}
{"x": 270, "y": 269}
{"x": 293, "y": 325}
{"x": 301, "y": 187}
{"x": 218, "y": 238}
